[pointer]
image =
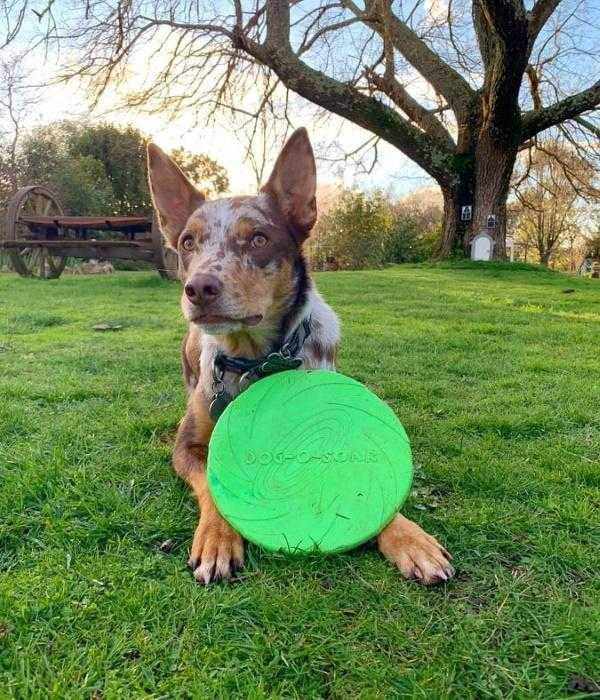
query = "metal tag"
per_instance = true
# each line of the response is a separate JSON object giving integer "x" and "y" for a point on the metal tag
{"x": 246, "y": 379}
{"x": 276, "y": 362}
{"x": 218, "y": 404}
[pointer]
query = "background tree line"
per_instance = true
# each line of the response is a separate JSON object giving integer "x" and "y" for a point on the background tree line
{"x": 553, "y": 217}
{"x": 100, "y": 169}
{"x": 461, "y": 88}
{"x": 96, "y": 169}
{"x": 369, "y": 229}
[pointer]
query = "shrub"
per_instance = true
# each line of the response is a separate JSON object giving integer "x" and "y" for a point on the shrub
{"x": 368, "y": 230}
{"x": 352, "y": 234}
{"x": 410, "y": 241}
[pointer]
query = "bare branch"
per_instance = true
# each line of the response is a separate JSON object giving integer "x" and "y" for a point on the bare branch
{"x": 430, "y": 65}
{"x": 539, "y": 15}
{"x": 342, "y": 98}
{"x": 588, "y": 125}
{"x": 414, "y": 110}
{"x": 13, "y": 21}
{"x": 535, "y": 121}
{"x": 307, "y": 44}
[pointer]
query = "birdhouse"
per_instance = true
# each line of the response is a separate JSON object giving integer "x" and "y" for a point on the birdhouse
{"x": 482, "y": 246}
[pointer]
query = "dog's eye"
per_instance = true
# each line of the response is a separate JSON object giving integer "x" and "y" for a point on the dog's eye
{"x": 259, "y": 240}
{"x": 188, "y": 243}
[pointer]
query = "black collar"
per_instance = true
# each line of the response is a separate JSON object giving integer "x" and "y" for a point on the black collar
{"x": 283, "y": 356}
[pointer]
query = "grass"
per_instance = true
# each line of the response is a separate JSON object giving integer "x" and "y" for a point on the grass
{"x": 495, "y": 373}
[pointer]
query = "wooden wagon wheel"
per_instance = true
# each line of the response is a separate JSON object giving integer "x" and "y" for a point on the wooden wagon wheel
{"x": 35, "y": 260}
{"x": 166, "y": 259}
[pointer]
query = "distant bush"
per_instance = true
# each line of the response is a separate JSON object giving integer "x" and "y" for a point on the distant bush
{"x": 352, "y": 234}
{"x": 409, "y": 240}
{"x": 366, "y": 230}
{"x": 98, "y": 169}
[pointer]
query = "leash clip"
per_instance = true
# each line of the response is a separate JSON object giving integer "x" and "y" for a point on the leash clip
{"x": 221, "y": 398}
{"x": 279, "y": 362}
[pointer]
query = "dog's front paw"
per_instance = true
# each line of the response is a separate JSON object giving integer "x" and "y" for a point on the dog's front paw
{"x": 419, "y": 556}
{"x": 217, "y": 550}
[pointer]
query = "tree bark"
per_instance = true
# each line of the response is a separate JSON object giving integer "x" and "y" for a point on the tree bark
{"x": 495, "y": 161}
{"x": 482, "y": 181}
{"x": 456, "y": 233}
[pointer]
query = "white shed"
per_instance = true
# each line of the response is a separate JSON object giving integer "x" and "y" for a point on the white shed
{"x": 482, "y": 246}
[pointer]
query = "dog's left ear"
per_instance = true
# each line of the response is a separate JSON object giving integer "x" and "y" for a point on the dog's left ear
{"x": 174, "y": 197}
{"x": 293, "y": 183}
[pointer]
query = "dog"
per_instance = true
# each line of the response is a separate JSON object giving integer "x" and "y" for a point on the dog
{"x": 246, "y": 292}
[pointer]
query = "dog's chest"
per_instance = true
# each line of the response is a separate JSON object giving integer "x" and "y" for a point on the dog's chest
{"x": 317, "y": 351}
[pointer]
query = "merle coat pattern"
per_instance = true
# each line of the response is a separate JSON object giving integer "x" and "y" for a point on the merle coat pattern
{"x": 245, "y": 288}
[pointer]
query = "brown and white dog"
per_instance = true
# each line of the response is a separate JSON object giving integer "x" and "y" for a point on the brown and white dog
{"x": 245, "y": 289}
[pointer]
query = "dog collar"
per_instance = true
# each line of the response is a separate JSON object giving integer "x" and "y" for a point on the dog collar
{"x": 250, "y": 370}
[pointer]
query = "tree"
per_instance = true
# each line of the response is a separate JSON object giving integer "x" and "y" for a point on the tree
{"x": 44, "y": 157}
{"x": 206, "y": 173}
{"x": 16, "y": 100}
{"x": 553, "y": 183}
{"x": 363, "y": 230}
{"x": 122, "y": 152}
{"x": 464, "y": 126}
{"x": 101, "y": 168}
{"x": 418, "y": 226}
{"x": 353, "y": 234}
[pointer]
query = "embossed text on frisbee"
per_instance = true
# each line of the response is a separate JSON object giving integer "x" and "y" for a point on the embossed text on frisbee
{"x": 306, "y": 456}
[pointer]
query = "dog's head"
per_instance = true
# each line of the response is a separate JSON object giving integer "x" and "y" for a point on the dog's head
{"x": 240, "y": 258}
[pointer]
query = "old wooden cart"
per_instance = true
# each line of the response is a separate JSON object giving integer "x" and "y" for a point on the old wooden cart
{"x": 39, "y": 239}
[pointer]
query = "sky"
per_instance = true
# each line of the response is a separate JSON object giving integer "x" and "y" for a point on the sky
{"x": 331, "y": 135}
{"x": 393, "y": 171}
{"x": 220, "y": 140}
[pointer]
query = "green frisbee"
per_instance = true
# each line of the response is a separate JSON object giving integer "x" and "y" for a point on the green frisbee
{"x": 306, "y": 461}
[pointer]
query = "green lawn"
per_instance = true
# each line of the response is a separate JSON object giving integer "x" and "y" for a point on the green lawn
{"x": 495, "y": 373}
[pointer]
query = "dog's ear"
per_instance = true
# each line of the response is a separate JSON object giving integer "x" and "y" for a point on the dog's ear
{"x": 173, "y": 195}
{"x": 293, "y": 183}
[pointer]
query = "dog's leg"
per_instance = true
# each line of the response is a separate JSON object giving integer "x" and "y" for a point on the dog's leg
{"x": 190, "y": 360}
{"x": 419, "y": 556}
{"x": 217, "y": 550}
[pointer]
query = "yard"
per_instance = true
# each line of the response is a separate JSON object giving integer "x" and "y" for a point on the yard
{"x": 495, "y": 373}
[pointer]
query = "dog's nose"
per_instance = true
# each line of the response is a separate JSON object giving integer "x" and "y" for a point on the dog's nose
{"x": 202, "y": 288}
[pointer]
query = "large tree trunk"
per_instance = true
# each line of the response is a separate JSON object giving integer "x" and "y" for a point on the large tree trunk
{"x": 494, "y": 161}
{"x": 482, "y": 182}
{"x": 456, "y": 232}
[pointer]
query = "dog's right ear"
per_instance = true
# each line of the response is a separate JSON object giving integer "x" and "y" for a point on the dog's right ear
{"x": 173, "y": 195}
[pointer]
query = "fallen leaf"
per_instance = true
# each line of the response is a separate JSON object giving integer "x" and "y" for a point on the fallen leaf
{"x": 167, "y": 546}
{"x": 581, "y": 684}
{"x": 132, "y": 655}
{"x": 107, "y": 327}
